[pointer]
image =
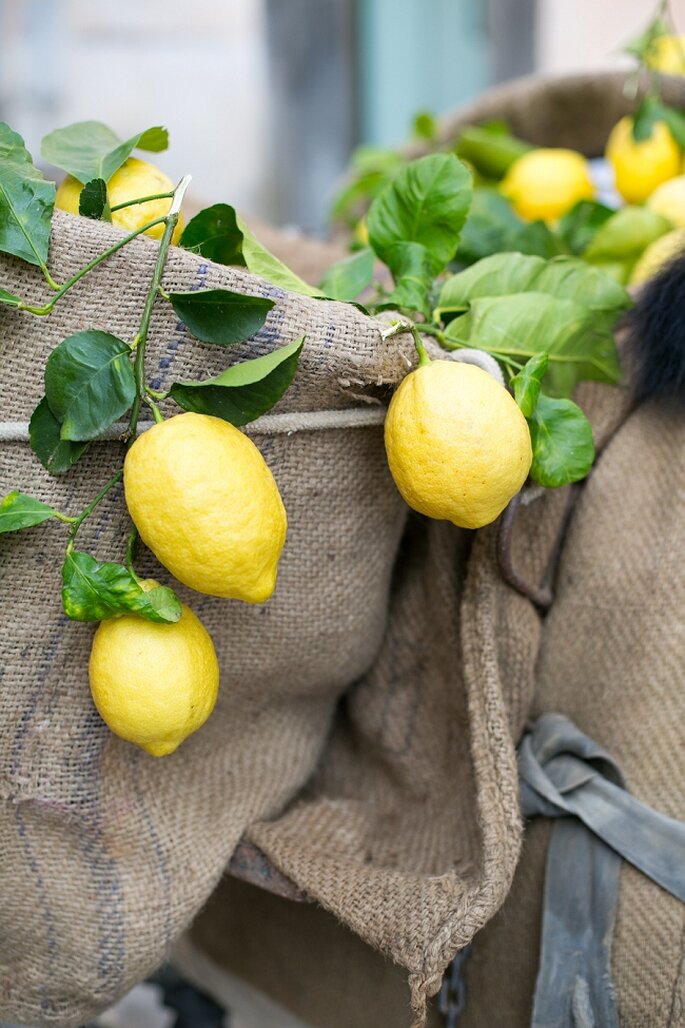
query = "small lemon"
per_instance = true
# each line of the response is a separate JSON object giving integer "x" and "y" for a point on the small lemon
{"x": 667, "y": 55}
{"x": 204, "y": 501}
{"x": 154, "y": 684}
{"x": 668, "y": 199}
{"x": 546, "y": 183}
{"x": 457, "y": 444}
{"x": 639, "y": 167}
{"x": 657, "y": 255}
{"x": 134, "y": 178}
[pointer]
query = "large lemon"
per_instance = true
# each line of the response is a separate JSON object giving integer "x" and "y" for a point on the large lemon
{"x": 135, "y": 178}
{"x": 547, "y": 183}
{"x": 457, "y": 444}
{"x": 657, "y": 255}
{"x": 206, "y": 504}
{"x": 154, "y": 684}
{"x": 667, "y": 55}
{"x": 668, "y": 199}
{"x": 639, "y": 167}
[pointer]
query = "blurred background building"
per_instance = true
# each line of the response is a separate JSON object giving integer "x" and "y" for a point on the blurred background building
{"x": 265, "y": 99}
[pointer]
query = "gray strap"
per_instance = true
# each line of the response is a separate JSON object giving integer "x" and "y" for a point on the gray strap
{"x": 565, "y": 775}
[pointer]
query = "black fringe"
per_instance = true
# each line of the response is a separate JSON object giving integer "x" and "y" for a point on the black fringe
{"x": 655, "y": 343}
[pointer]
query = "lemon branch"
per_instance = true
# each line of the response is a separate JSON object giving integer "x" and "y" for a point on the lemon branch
{"x": 87, "y": 511}
{"x": 171, "y": 220}
{"x": 140, "y": 199}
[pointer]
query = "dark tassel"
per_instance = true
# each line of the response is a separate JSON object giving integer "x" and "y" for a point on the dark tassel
{"x": 655, "y": 343}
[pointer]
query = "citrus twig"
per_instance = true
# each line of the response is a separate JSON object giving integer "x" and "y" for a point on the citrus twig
{"x": 141, "y": 199}
{"x": 87, "y": 511}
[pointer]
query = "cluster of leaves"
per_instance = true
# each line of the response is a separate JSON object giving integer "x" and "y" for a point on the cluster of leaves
{"x": 91, "y": 378}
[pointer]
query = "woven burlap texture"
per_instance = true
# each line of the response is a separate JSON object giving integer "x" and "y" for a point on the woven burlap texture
{"x": 105, "y": 853}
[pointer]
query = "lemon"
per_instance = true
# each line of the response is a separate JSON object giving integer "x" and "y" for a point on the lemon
{"x": 668, "y": 199}
{"x": 657, "y": 255}
{"x": 546, "y": 183}
{"x": 206, "y": 504}
{"x": 134, "y": 178}
{"x": 457, "y": 444}
{"x": 667, "y": 55}
{"x": 154, "y": 684}
{"x": 639, "y": 167}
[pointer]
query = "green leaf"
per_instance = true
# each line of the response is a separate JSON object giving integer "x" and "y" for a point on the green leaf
{"x": 414, "y": 269}
{"x": 528, "y": 382}
{"x": 578, "y": 227}
{"x": 491, "y": 149}
{"x": 426, "y": 203}
{"x": 502, "y": 274}
{"x": 645, "y": 118}
{"x": 373, "y": 167}
{"x": 9, "y": 298}
{"x": 56, "y": 455}
{"x": 563, "y": 447}
{"x": 89, "y": 149}
{"x": 494, "y": 227}
{"x": 220, "y": 316}
{"x": 93, "y": 201}
{"x": 626, "y": 234}
{"x": 349, "y": 277}
{"x": 26, "y": 202}
{"x": 521, "y": 325}
{"x": 675, "y": 120}
{"x": 19, "y": 511}
{"x": 89, "y": 383}
{"x": 214, "y": 234}
{"x": 94, "y": 591}
{"x": 261, "y": 262}
{"x": 425, "y": 126}
{"x": 246, "y": 390}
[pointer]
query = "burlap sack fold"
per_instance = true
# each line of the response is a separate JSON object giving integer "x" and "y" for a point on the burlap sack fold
{"x": 409, "y": 828}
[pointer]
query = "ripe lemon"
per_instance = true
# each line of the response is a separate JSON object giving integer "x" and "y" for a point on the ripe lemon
{"x": 134, "y": 178}
{"x": 547, "y": 183}
{"x": 667, "y": 55}
{"x": 204, "y": 501}
{"x": 640, "y": 167}
{"x": 668, "y": 199}
{"x": 153, "y": 684}
{"x": 457, "y": 444}
{"x": 657, "y": 255}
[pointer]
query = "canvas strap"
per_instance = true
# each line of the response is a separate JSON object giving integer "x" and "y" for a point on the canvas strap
{"x": 567, "y": 776}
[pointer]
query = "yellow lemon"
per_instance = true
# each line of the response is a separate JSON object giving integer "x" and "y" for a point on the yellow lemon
{"x": 135, "y": 178}
{"x": 547, "y": 183}
{"x": 154, "y": 684}
{"x": 457, "y": 444}
{"x": 667, "y": 55}
{"x": 640, "y": 167}
{"x": 657, "y": 255}
{"x": 204, "y": 501}
{"x": 668, "y": 199}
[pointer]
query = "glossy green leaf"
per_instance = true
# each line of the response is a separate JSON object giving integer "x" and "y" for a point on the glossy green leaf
{"x": 426, "y": 203}
{"x": 414, "y": 269}
{"x": 502, "y": 274}
{"x": 521, "y": 325}
{"x": 493, "y": 227}
{"x": 19, "y": 511}
{"x": 563, "y": 447}
{"x": 93, "y": 202}
{"x": 89, "y": 150}
{"x": 214, "y": 234}
{"x": 95, "y": 591}
{"x": 244, "y": 391}
{"x": 626, "y": 234}
{"x": 349, "y": 277}
{"x": 56, "y": 455}
{"x": 528, "y": 383}
{"x": 261, "y": 262}
{"x": 26, "y": 202}
{"x": 89, "y": 383}
{"x": 9, "y": 298}
{"x": 220, "y": 316}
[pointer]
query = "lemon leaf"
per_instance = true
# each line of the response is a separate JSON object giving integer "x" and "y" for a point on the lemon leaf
{"x": 578, "y": 227}
{"x": 528, "y": 383}
{"x": 244, "y": 391}
{"x": 26, "y": 202}
{"x": 95, "y": 591}
{"x": 349, "y": 277}
{"x": 19, "y": 511}
{"x": 56, "y": 455}
{"x": 93, "y": 202}
{"x": 9, "y": 298}
{"x": 214, "y": 234}
{"x": 89, "y": 383}
{"x": 88, "y": 149}
{"x": 563, "y": 447}
{"x": 262, "y": 262}
{"x": 220, "y": 316}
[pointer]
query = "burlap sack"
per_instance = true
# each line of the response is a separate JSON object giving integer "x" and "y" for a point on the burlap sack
{"x": 408, "y": 829}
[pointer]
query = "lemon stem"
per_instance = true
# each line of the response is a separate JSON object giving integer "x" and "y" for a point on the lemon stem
{"x": 420, "y": 348}
{"x": 171, "y": 220}
{"x": 87, "y": 511}
{"x": 141, "y": 199}
{"x": 156, "y": 412}
{"x": 131, "y": 550}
